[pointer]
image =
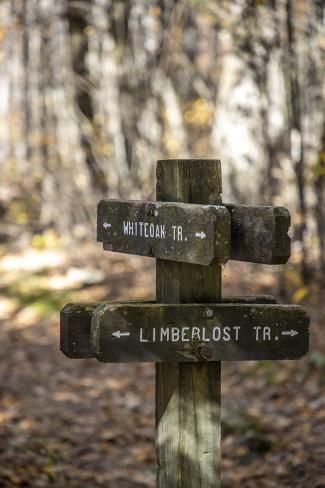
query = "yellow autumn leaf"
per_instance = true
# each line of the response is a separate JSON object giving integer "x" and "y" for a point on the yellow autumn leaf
{"x": 300, "y": 294}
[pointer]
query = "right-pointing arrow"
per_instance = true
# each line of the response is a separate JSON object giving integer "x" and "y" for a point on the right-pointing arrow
{"x": 290, "y": 333}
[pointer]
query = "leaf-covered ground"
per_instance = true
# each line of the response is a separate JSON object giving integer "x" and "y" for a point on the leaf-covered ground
{"x": 82, "y": 424}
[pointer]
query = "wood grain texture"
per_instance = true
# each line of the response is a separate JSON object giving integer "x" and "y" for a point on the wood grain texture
{"x": 192, "y": 332}
{"x": 188, "y": 395}
{"x": 75, "y": 323}
{"x": 249, "y": 299}
{"x": 259, "y": 234}
{"x": 197, "y": 234}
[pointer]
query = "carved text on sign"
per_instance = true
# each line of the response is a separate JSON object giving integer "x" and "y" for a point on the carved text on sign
{"x": 158, "y": 332}
{"x": 198, "y": 234}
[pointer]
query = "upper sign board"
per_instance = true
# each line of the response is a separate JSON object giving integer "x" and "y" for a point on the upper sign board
{"x": 198, "y": 234}
{"x": 196, "y": 332}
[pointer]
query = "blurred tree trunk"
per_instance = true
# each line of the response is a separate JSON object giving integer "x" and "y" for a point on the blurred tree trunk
{"x": 5, "y": 47}
{"x": 79, "y": 19}
{"x": 296, "y": 130}
{"x": 319, "y": 184}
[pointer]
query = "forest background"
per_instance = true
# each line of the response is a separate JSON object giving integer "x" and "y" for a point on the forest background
{"x": 92, "y": 93}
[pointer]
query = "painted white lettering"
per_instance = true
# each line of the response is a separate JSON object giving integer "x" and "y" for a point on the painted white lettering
{"x": 146, "y": 229}
{"x": 236, "y": 329}
{"x": 175, "y": 334}
{"x": 142, "y": 339}
{"x": 184, "y": 332}
{"x": 195, "y": 333}
{"x": 205, "y": 339}
{"x": 174, "y": 232}
{"x": 266, "y": 333}
{"x": 216, "y": 334}
{"x": 179, "y": 233}
{"x": 257, "y": 332}
{"x": 164, "y": 334}
{"x": 226, "y": 335}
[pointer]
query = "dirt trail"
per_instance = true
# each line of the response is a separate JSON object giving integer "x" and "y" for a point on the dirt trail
{"x": 78, "y": 423}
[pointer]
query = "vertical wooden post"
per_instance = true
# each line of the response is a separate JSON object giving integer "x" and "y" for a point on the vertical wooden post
{"x": 188, "y": 394}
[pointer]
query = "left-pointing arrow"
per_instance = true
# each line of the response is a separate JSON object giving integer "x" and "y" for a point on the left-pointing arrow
{"x": 120, "y": 334}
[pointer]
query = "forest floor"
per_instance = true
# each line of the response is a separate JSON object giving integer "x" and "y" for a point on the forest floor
{"x": 82, "y": 424}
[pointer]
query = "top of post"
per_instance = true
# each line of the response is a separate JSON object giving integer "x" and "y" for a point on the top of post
{"x": 195, "y": 179}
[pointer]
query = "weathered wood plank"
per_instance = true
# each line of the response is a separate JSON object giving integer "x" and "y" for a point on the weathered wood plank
{"x": 188, "y": 394}
{"x": 259, "y": 234}
{"x": 196, "y": 234}
{"x": 176, "y": 231}
{"x": 191, "y": 332}
{"x": 249, "y": 299}
{"x": 75, "y": 323}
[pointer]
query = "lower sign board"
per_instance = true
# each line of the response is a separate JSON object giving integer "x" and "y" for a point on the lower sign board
{"x": 197, "y": 332}
{"x": 75, "y": 323}
{"x": 198, "y": 234}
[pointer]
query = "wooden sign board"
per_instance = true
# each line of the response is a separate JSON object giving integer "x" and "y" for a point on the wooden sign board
{"x": 259, "y": 234}
{"x": 196, "y": 332}
{"x": 75, "y": 323}
{"x": 198, "y": 234}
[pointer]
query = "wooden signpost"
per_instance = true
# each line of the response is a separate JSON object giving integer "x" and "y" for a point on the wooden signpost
{"x": 189, "y": 329}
